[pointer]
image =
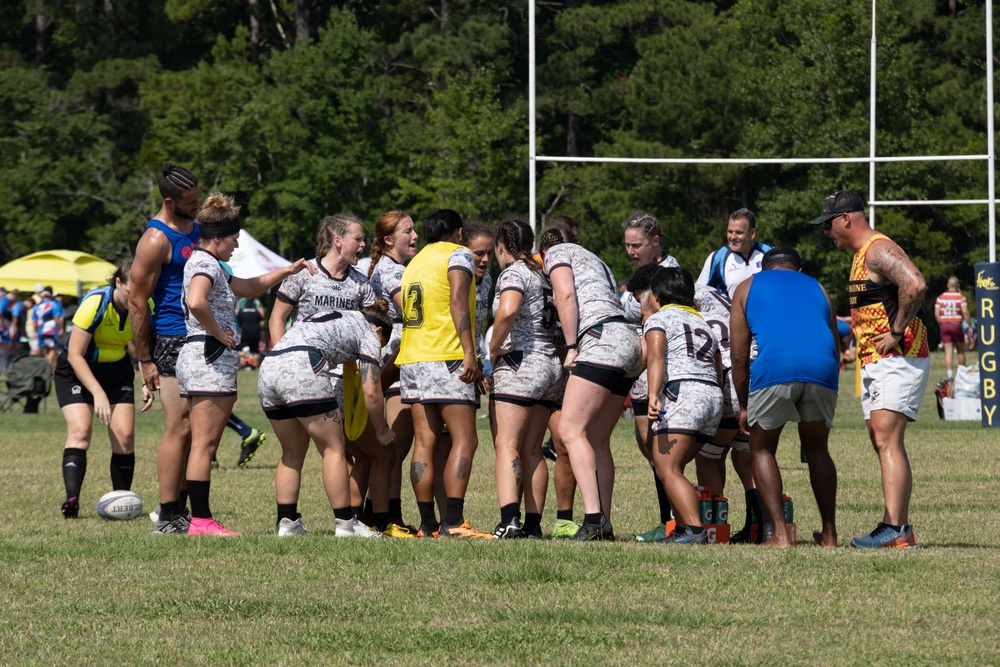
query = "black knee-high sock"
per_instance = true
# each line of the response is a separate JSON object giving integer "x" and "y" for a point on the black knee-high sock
{"x": 74, "y": 467}
{"x": 395, "y": 508}
{"x": 239, "y": 426}
{"x": 198, "y": 492}
{"x": 122, "y": 469}
{"x": 182, "y": 500}
{"x": 661, "y": 496}
{"x": 454, "y": 511}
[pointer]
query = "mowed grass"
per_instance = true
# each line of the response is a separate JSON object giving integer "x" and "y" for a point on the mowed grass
{"x": 91, "y": 592}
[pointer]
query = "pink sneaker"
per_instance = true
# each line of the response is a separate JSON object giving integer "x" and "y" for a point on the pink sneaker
{"x": 209, "y": 526}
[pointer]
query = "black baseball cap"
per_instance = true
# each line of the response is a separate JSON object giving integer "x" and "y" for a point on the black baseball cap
{"x": 839, "y": 202}
{"x": 783, "y": 255}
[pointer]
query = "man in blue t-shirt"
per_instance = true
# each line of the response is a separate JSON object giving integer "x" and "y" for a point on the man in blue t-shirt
{"x": 793, "y": 378}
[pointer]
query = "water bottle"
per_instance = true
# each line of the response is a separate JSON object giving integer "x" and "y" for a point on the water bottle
{"x": 720, "y": 507}
{"x": 788, "y": 507}
{"x": 705, "y": 505}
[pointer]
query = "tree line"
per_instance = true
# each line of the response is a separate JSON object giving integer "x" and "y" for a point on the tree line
{"x": 303, "y": 108}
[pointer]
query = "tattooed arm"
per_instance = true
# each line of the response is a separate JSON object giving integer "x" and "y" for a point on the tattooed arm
{"x": 887, "y": 263}
{"x": 461, "y": 282}
{"x": 371, "y": 385}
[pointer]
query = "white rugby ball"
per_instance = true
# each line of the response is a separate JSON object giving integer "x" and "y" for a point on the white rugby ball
{"x": 119, "y": 506}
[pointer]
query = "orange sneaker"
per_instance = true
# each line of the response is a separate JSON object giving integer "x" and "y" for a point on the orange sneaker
{"x": 464, "y": 530}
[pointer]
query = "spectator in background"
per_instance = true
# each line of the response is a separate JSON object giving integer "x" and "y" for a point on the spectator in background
{"x": 4, "y": 329}
{"x": 249, "y": 315}
{"x": 47, "y": 317}
{"x": 739, "y": 259}
{"x": 950, "y": 310}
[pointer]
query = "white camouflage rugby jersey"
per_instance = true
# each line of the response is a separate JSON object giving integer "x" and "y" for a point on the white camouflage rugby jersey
{"x": 321, "y": 292}
{"x": 483, "y": 289}
{"x": 689, "y": 352}
{"x": 220, "y": 297}
{"x": 340, "y": 336}
{"x": 534, "y": 323}
{"x": 633, "y": 309}
{"x": 715, "y": 306}
{"x": 386, "y": 281}
{"x": 597, "y": 296}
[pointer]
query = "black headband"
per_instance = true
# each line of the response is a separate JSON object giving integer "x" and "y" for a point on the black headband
{"x": 220, "y": 231}
{"x": 375, "y": 322}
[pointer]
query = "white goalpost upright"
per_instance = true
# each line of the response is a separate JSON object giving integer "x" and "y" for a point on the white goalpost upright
{"x": 534, "y": 158}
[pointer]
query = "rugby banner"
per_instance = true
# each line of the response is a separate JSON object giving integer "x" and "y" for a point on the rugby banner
{"x": 988, "y": 314}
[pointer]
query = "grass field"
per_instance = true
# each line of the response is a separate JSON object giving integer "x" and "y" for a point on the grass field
{"x": 90, "y": 592}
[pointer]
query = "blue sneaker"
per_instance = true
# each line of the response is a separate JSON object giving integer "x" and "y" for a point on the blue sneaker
{"x": 886, "y": 537}
{"x": 689, "y": 537}
{"x": 653, "y": 535}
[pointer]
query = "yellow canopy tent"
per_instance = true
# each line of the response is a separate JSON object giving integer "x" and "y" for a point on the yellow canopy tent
{"x": 66, "y": 271}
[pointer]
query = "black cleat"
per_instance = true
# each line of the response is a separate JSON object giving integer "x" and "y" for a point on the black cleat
{"x": 71, "y": 508}
{"x": 250, "y": 445}
{"x": 602, "y": 531}
{"x": 509, "y": 531}
{"x": 549, "y": 450}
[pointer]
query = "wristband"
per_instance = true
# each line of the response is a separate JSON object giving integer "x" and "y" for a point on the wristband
{"x": 145, "y": 361}
{"x": 572, "y": 347}
{"x": 898, "y": 334}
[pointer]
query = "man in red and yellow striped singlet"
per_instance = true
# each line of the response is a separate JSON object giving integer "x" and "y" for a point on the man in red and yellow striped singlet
{"x": 950, "y": 309}
{"x": 886, "y": 292}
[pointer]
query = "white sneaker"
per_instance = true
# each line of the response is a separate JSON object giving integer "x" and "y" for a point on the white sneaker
{"x": 289, "y": 528}
{"x": 354, "y": 528}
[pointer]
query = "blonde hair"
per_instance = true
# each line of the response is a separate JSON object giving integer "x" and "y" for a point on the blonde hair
{"x": 331, "y": 226}
{"x": 218, "y": 209}
{"x": 644, "y": 222}
{"x": 386, "y": 225}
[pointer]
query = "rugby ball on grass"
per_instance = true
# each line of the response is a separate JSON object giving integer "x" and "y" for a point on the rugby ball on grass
{"x": 119, "y": 506}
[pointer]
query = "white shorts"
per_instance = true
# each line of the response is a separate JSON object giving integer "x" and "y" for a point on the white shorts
{"x": 291, "y": 384}
{"x": 773, "y": 407}
{"x": 894, "y": 383}
{"x": 435, "y": 382}
{"x": 528, "y": 379}
{"x": 690, "y": 407}
{"x": 206, "y": 368}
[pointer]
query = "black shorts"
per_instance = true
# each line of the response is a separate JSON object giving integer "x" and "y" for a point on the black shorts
{"x": 116, "y": 378}
{"x": 611, "y": 378}
{"x": 300, "y": 410}
{"x": 165, "y": 351}
{"x": 251, "y": 340}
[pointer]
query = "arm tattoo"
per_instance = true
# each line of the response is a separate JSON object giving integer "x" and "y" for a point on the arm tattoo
{"x": 417, "y": 471}
{"x": 369, "y": 373}
{"x": 464, "y": 324}
{"x": 889, "y": 262}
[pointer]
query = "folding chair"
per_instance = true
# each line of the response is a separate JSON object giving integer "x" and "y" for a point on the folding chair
{"x": 29, "y": 378}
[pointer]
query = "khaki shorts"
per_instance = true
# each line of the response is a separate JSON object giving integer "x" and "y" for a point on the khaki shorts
{"x": 773, "y": 407}
{"x": 435, "y": 382}
{"x": 894, "y": 383}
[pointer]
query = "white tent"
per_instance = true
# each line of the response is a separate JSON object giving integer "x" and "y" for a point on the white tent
{"x": 253, "y": 258}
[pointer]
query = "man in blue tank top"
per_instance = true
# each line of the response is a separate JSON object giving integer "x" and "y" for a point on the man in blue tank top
{"x": 158, "y": 272}
{"x": 793, "y": 378}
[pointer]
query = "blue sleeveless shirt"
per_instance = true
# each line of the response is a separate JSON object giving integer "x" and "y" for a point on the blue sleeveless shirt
{"x": 789, "y": 317}
{"x": 167, "y": 318}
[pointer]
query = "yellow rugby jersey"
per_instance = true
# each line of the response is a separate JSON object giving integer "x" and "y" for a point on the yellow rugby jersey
{"x": 428, "y": 331}
{"x": 874, "y": 308}
{"x": 109, "y": 327}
